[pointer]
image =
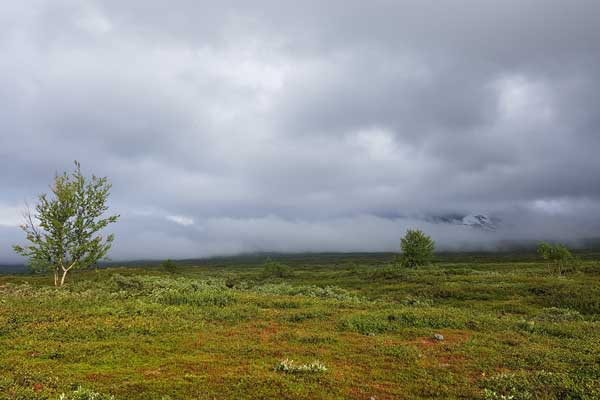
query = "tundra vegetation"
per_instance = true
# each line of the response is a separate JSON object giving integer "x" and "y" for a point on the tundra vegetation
{"x": 338, "y": 327}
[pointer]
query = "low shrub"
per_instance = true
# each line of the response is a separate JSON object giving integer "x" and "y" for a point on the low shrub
{"x": 211, "y": 297}
{"x": 291, "y": 367}
{"x": 170, "y": 291}
{"x": 274, "y": 269}
{"x": 85, "y": 394}
{"x": 407, "y": 353}
{"x": 313, "y": 339}
{"x": 24, "y": 383}
{"x": 328, "y": 292}
{"x": 555, "y": 314}
{"x": 582, "y": 298}
{"x": 394, "y": 322}
{"x": 417, "y": 301}
{"x": 540, "y": 385}
{"x": 304, "y": 316}
{"x": 121, "y": 282}
{"x": 365, "y": 324}
{"x": 169, "y": 266}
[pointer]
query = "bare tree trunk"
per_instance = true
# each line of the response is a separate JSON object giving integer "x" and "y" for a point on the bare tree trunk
{"x": 64, "y": 275}
{"x": 65, "y": 271}
{"x": 55, "y": 277}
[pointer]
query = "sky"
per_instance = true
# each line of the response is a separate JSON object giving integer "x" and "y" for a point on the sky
{"x": 235, "y": 126}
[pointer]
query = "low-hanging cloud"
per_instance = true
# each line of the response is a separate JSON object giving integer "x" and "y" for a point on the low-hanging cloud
{"x": 278, "y": 126}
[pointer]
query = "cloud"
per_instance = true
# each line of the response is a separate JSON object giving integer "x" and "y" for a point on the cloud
{"x": 10, "y": 216}
{"x": 181, "y": 220}
{"x": 234, "y": 126}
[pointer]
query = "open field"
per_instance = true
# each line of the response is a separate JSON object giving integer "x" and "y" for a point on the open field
{"x": 219, "y": 330}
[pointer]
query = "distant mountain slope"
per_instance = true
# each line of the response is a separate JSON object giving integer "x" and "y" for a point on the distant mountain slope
{"x": 475, "y": 220}
{"x": 480, "y": 221}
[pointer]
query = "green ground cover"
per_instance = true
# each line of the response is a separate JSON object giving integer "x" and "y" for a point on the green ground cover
{"x": 321, "y": 327}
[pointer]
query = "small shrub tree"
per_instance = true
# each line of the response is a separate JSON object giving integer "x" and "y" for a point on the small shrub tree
{"x": 169, "y": 266}
{"x": 559, "y": 257}
{"x": 417, "y": 249}
{"x": 64, "y": 229}
{"x": 274, "y": 269}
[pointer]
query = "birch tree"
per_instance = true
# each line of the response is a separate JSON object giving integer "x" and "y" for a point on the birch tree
{"x": 64, "y": 229}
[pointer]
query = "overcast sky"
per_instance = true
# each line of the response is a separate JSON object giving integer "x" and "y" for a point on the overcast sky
{"x": 241, "y": 126}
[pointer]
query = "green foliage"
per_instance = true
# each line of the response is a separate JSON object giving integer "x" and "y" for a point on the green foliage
{"x": 85, "y": 394}
{"x": 305, "y": 316}
{"x": 540, "y": 385}
{"x": 169, "y": 266}
{"x": 417, "y": 249}
{"x": 575, "y": 296}
{"x": 555, "y": 314}
{"x": 180, "y": 291}
{"x": 291, "y": 367}
{"x": 26, "y": 384}
{"x": 400, "y": 353}
{"x": 205, "y": 297}
{"x": 376, "y": 323}
{"x": 64, "y": 229}
{"x": 274, "y": 269}
{"x": 558, "y": 256}
{"x": 413, "y": 301}
{"x": 328, "y": 292}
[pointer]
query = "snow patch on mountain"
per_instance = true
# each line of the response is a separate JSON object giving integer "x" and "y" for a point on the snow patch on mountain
{"x": 480, "y": 221}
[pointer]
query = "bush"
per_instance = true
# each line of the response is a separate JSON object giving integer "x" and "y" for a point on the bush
{"x": 120, "y": 282}
{"x": 328, "y": 292}
{"x": 274, "y": 269}
{"x": 169, "y": 266}
{"x": 559, "y": 257}
{"x": 85, "y": 394}
{"x": 417, "y": 249}
{"x": 412, "y": 301}
{"x": 206, "y": 297}
{"x": 579, "y": 297}
{"x": 555, "y": 314}
{"x": 540, "y": 385}
{"x": 375, "y": 323}
{"x": 290, "y": 367}
{"x": 169, "y": 291}
{"x": 305, "y": 316}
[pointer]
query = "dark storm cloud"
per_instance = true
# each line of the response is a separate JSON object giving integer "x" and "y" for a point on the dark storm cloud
{"x": 298, "y": 126}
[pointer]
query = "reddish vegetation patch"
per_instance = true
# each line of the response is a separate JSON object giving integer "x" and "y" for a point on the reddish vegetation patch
{"x": 373, "y": 391}
{"x": 267, "y": 332}
{"x": 382, "y": 391}
{"x": 427, "y": 342}
{"x": 444, "y": 357}
{"x": 357, "y": 393}
{"x": 38, "y": 387}
{"x": 98, "y": 376}
{"x": 449, "y": 360}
